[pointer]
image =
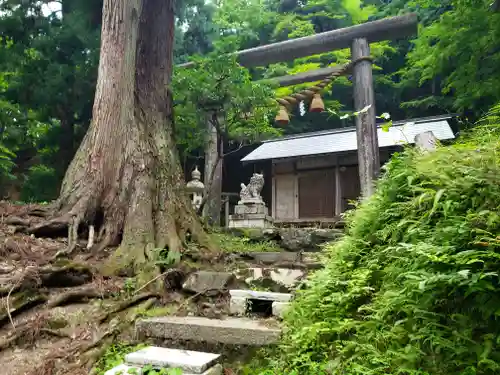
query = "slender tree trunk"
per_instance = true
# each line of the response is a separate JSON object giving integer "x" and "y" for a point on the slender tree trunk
{"x": 213, "y": 175}
{"x": 126, "y": 176}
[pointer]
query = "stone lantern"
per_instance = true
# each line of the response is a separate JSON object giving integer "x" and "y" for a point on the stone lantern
{"x": 195, "y": 188}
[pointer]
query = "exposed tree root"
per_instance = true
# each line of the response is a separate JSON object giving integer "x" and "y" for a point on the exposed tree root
{"x": 74, "y": 296}
{"x": 14, "y": 220}
{"x": 125, "y": 305}
{"x": 21, "y": 303}
{"x": 28, "y": 332}
{"x": 80, "y": 356}
{"x": 126, "y": 179}
{"x": 66, "y": 276}
{"x": 172, "y": 280}
{"x": 49, "y": 277}
{"x": 40, "y": 212}
{"x": 29, "y": 335}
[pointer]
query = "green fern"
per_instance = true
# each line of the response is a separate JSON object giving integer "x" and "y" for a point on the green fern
{"x": 414, "y": 288}
{"x": 6, "y": 161}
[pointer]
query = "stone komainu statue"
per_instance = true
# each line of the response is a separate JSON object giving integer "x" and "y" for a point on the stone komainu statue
{"x": 251, "y": 192}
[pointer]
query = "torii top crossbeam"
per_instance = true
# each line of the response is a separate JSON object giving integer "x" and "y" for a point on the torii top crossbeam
{"x": 375, "y": 31}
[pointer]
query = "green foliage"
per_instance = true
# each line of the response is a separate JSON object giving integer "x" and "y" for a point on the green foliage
{"x": 48, "y": 68}
{"x": 149, "y": 370}
{"x": 6, "y": 162}
{"x": 246, "y": 244}
{"x": 218, "y": 90}
{"x": 40, "y": 184}
{"x": 458, "y": 53}
{"x": 115, "y": 356}
{"x": 48, "y": 71}
{"x": 414, "y": 286}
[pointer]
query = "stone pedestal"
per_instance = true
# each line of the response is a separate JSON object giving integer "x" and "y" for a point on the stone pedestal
{"x": 250, "y": 208}
{"x": 250, "y": 215}
{"x": 251, "y": 211}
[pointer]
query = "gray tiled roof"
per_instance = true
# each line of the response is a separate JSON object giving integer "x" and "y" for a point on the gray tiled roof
{"x": 342, "y": 140}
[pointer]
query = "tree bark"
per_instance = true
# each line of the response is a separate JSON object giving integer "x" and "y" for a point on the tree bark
{"x": 213, "y": 175}
{"x": 126, "y": 177}
{"x": 66, "y": 141}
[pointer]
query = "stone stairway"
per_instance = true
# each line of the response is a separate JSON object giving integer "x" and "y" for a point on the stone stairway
{"x": 253, "y": 321}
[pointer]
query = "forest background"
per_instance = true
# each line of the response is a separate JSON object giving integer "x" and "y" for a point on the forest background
{"x": 49, "y": 55}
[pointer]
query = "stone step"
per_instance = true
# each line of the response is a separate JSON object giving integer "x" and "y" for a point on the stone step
{"x": 188, "y": 361}
{"x": 230, "y": 331}
{"x": 279, "y": 308}
{"x": 245, "y": 302}
{"x": 124, "y": 369}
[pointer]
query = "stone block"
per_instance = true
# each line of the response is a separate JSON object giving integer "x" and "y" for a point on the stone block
{"x": 282, "y": 276}
{"x": 279, "y": 308}
{"x": 207, "y": 282}
{"x": 186, "y": 360}
{"x": 238, "y": 306}
{"x": 250, "y": 221}
{"x": 243, "y": 209}
{"x": 257, "y": 294}
{"x": 215, "y": 370}
{"x": 229, "y": 331}
{"x": 277, "y": 257}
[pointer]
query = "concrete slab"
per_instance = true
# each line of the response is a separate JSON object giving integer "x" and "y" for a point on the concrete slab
{"x": 238, "y": 306}
{"x": 186, "y": 360}
{"x": 256, "y": 294}
{"x": 124, "y": 370}
{"x": 232, "y": 331}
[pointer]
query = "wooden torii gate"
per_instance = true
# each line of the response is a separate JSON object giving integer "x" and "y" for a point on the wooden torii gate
{"x": 358, "y": 39}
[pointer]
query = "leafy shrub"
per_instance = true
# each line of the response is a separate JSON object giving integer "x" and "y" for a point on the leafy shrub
{"x": 414, "y": 287}
{"x": 234, "y": 244}
{"x": 41, "y": 184}
{"x": 6, "y": 162}
{"x": 6, "y": 165}
{"x": 115, "y": 356}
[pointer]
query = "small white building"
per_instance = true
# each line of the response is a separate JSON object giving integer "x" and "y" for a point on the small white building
{"x": 315, "y": 175}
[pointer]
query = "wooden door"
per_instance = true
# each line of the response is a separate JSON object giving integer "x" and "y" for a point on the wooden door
{"x": 317, "y": 194}
{"x": 285, "y": 196}
{"x": 351, "y": 188}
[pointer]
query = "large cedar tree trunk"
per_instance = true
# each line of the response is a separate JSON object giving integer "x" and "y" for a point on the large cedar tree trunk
{"x": 126, "y": 175}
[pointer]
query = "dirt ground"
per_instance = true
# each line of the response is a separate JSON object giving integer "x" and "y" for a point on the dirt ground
{"x": 58, "y": 316}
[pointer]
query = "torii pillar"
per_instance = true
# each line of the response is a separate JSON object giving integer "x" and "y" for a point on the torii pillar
{"x": 366, "y": 127}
